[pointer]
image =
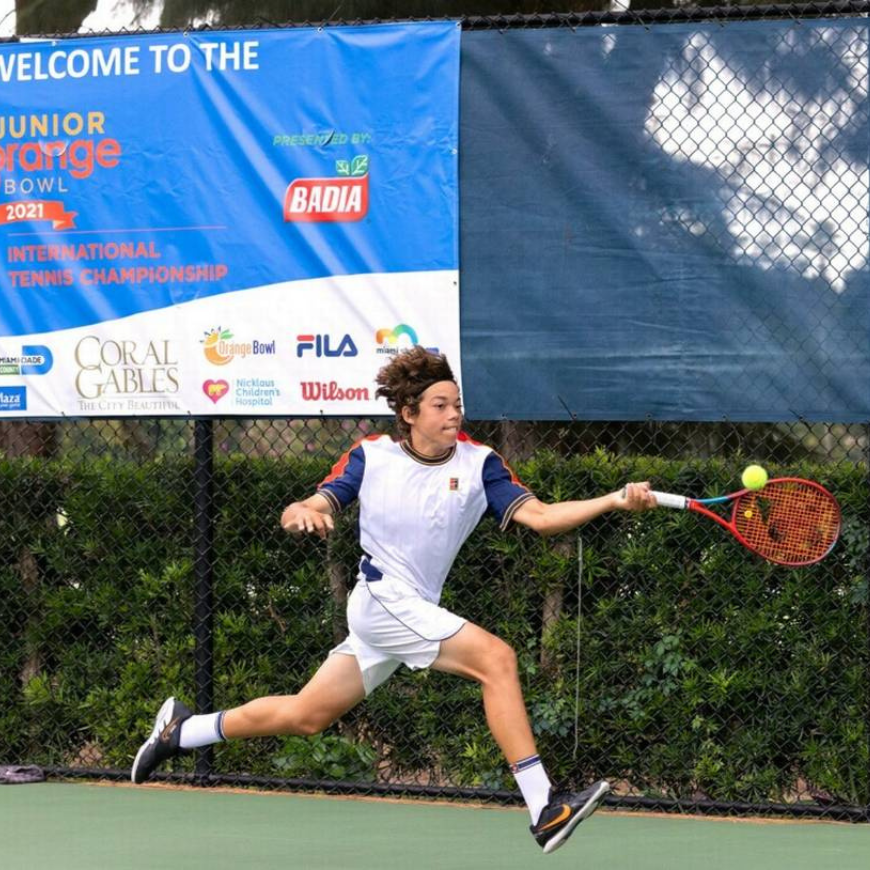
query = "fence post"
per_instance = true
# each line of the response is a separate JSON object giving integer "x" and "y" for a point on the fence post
{"x": 867, "y": 620}
{"x": 203, "y": 565}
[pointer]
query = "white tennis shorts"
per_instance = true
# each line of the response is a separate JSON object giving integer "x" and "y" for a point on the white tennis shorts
{"x": 390, "y": 625}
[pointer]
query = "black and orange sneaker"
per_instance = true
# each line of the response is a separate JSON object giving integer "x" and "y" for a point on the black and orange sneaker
{"x": 564, "y": 812}
{"x": 163, "y": 742}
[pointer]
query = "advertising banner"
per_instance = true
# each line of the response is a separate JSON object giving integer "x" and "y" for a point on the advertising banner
{"x": 225, "y": 223}
{"x": 667, "y": 223}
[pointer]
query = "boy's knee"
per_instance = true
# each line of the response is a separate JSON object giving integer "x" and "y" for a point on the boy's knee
{"x": 309, "y": 725}
{"x": 502, "y": 660}
{"x": 306, "y": 728}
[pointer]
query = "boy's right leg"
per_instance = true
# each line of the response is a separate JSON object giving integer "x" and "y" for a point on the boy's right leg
{"x": 336, "y": 688}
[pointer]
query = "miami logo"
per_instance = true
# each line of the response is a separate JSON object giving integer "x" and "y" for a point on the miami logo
{"x": 388, "y": 339}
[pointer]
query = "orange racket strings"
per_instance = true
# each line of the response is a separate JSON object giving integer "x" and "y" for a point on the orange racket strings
{"x": 790, "y": 522}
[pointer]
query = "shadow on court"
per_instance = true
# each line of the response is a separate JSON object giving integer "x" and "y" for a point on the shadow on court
{"x": 74, "y": 826}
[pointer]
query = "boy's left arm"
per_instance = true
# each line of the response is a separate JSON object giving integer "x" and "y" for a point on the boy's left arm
{"x": 553, "y": 519}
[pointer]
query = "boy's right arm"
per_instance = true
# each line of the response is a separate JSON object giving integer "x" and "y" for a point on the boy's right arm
{"x": 313, "y": 516}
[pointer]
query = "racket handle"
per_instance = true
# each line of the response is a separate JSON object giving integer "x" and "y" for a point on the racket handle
{"x": 667, "y": 499}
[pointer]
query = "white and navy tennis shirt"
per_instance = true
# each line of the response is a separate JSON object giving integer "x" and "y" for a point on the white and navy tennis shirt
{"x": 416, "y": 511}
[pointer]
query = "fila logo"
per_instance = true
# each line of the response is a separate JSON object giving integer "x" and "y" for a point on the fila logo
{"x": 454, "y": 484}
{"x": 321, "y": 345}
{"x": 317, "y": 200}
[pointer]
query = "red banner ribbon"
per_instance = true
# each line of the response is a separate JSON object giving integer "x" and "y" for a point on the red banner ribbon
{"x": 37, "y": 210}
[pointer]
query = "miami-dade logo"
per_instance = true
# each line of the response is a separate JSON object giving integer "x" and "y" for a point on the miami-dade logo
{"x": 342, "y": 198}
{"x": 34, "y": 359}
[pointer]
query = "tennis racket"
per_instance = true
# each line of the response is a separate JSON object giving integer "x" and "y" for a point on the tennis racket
{"x": 788, "y": 521}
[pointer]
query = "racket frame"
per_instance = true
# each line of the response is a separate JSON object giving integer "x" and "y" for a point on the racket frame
{"x": 702, "y": 505}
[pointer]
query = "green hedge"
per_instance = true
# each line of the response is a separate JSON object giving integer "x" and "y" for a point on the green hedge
{"x": 702, "y": 670}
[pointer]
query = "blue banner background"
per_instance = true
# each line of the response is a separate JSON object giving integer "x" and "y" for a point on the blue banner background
{"x": 201, "y": 177}
{"x": 587, "y": 293}
{"x": 601, "y": 278}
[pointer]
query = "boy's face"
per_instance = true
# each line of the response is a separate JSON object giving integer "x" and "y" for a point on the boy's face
{"x": 435, "y": 427}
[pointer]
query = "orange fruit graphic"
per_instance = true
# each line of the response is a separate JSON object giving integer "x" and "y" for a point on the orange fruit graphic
{"x": 210, "y": 346}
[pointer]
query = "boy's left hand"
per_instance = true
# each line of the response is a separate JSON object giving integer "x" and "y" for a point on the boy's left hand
{"x": 635, "y": 497}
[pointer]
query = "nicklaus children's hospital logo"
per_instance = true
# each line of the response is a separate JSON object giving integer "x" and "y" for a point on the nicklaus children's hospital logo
{"x": 342, "y": 198}
{"x": 215, "y": 390}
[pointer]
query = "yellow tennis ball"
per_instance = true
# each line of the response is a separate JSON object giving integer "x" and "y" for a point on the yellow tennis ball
{"x": 754, "y": 477}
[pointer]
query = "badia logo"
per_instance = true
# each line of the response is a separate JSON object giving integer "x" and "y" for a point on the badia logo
{"x": 323, "y": 345}
{"x": 339, "y": 199}
{"x": 220, "y": 349}
{"x": 35, "y": 359}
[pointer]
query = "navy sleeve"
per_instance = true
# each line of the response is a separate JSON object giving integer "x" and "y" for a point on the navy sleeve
{"x": 504, "y": 492}
{"x": 341, "y": 486}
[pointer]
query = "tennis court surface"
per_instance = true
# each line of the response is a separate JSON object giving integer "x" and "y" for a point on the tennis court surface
{"x": 67, "y": 826}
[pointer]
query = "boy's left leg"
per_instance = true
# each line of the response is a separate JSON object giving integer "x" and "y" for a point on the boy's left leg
{"x": 476, "y": 654}
{"x": 335, "y": 688}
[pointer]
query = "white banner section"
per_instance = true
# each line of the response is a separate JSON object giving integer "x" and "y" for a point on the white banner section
{"x": 302, "y": 348}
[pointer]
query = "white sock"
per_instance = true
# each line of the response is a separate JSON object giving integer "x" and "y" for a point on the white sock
{"x": 201, "y": 731}
{"x": 534, "y": 784}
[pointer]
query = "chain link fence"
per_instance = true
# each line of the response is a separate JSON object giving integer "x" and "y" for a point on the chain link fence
{"x": 143, "y": 558}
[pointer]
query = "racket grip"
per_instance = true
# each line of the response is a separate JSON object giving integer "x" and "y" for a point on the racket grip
{"x": 667, "y": 499}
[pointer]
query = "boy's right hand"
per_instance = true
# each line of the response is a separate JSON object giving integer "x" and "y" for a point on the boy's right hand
{"x": 299, "y": 520}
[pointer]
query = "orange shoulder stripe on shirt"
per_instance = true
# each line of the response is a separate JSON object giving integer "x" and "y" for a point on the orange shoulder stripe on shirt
{"x": 514, "y": 479}
{"x": 339, "y": 467}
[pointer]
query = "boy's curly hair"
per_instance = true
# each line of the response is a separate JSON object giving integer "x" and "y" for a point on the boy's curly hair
{"x": 406, "y": 377}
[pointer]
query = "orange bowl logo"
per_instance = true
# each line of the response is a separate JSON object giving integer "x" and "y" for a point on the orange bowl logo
{"x": 212, "y": 346}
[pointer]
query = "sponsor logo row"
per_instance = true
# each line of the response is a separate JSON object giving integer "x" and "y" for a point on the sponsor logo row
{"x": 220, "y": 346}
{"x": 133, "y": 393}
{"x": 262, "y": 392}
{"x": 110, "y": 372}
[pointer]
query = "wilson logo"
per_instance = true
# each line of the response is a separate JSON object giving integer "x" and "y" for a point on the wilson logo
{"x": 319, "y": 391}
{"x": 314, "y": 200}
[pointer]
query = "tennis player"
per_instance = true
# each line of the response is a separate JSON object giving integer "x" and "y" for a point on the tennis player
{"x": 420, "y": 497}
